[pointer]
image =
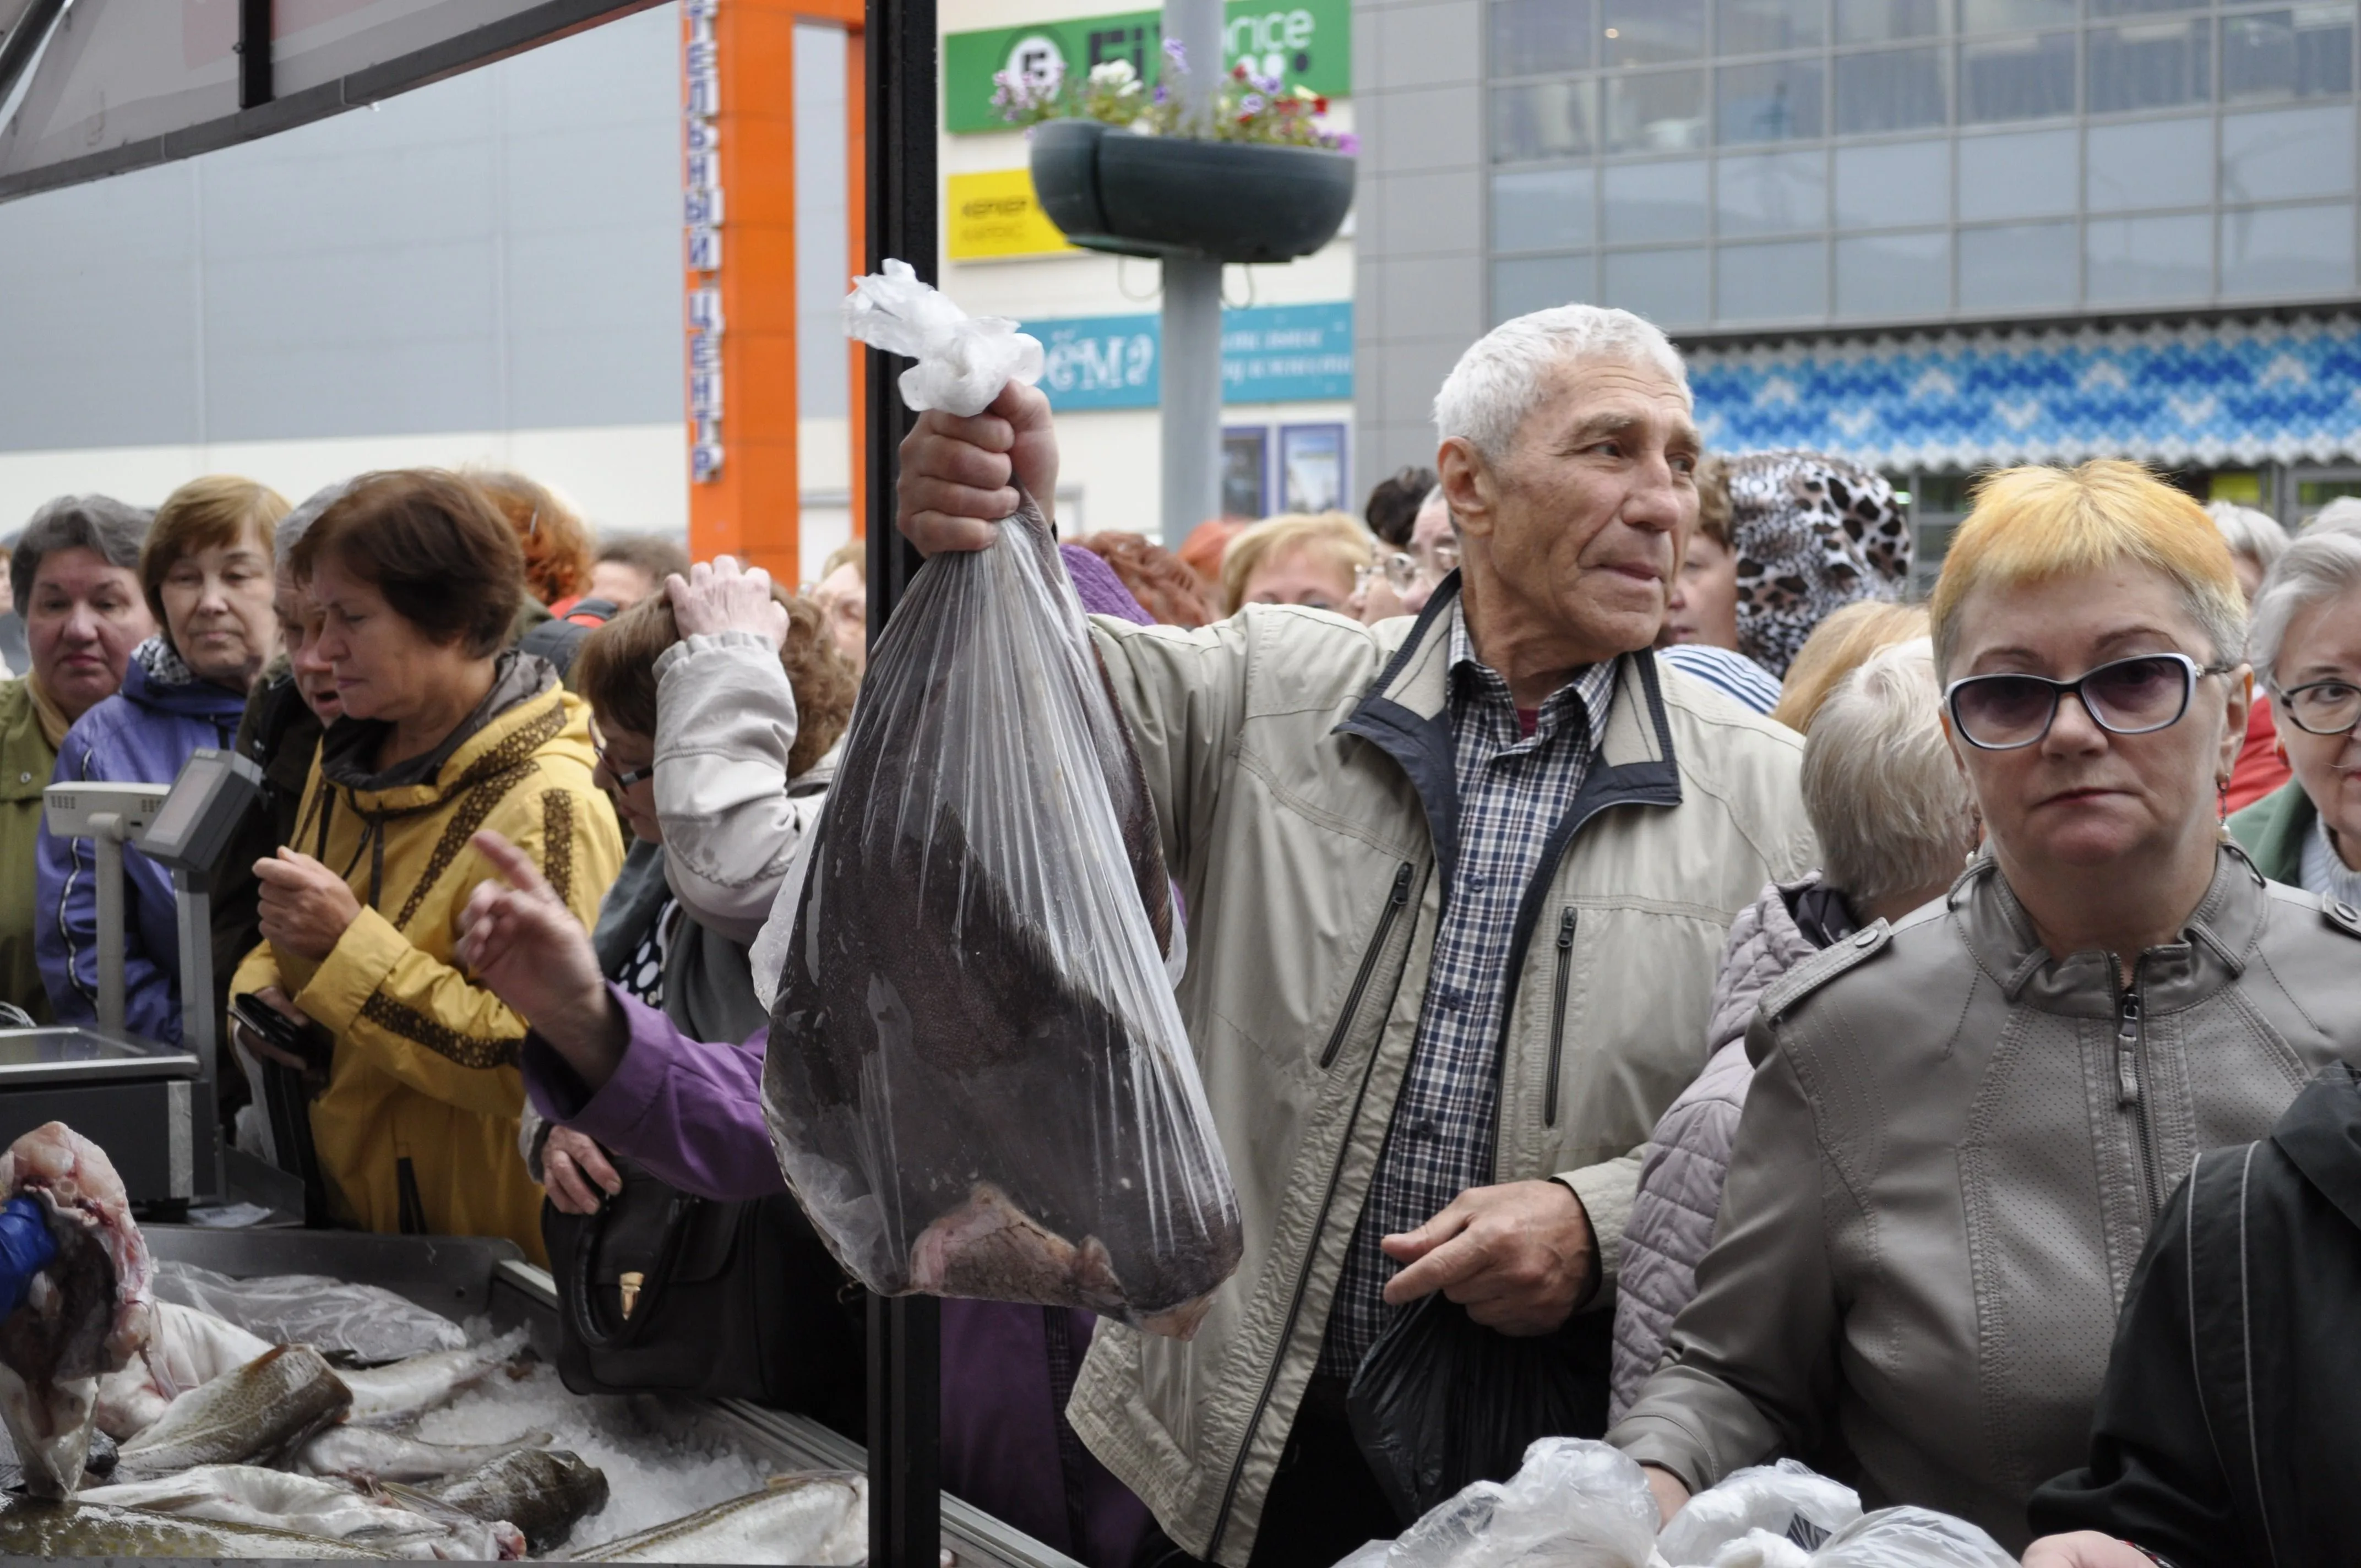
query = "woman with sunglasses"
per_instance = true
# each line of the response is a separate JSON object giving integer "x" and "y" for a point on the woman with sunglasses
{"x": 2306, "y": 646}
{"x": 1963, "y": 1124}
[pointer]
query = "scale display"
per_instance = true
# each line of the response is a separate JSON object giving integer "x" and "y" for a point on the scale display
{"x": 81, "y": 1056}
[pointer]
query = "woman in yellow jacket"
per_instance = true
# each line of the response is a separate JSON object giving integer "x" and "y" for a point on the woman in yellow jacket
{"x": 412, "y": 581}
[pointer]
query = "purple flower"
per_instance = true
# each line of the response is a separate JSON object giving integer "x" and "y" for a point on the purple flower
{"x": 1177, "y": 54}
{"x": 1346, "y": 142}
{"x": 1162, "y": 93}
{"x": 1250, "y": 104}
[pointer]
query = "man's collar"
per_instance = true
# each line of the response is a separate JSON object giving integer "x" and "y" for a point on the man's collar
{"x": 1593, "y": 684}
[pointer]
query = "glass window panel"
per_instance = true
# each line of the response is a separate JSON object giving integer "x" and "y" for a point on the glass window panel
{"x": 2305, "y": 54}
{"x": 1542, "y": 119}
{"x": 2016, "y": 78}
{"x": 1665, "y": 286}
{"x": 1538, "y": 282}
{"x": 2000, "y": 16}
{"x": 1661, "y": 111}
{"x": 1777, "y": 192}
{"x": 1891, "y": 90}
{"x": 2153, "y": 65}
{"x": 2022, "y": 267}
{"x": 2149, "y": 164}
{"x": 2143, "y": 7}
{"x": 1637, "y": 32}
{"x": 2287, "y": 250}
{"x": 2131, "y": 260}
{"x": 1771, "y": 282}
{"x": 1777, "y": 101}
{"x": 1888, "y": 184}
{"x": 1882, "y": 21}
{"x": 1542, "y": 209}
{"x": 1649, "y": 201}
{"x": 1532, "y": 38}
{"x": 2030, "y": 175}
{"x": 1890, "y": 275}
{"x": 1769, "y": 26}
{"x": 2287, "y": 152}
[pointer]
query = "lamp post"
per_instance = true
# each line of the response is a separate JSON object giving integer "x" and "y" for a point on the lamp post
{"x": 1192, "y": 372}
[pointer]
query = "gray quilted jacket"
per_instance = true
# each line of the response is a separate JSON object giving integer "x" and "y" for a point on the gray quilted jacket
{"x": 1688, "y": 1154}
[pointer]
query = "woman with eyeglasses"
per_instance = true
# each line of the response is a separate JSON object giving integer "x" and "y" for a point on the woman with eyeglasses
{"x": 1963, "y": 1124}
{"x": 2306, "y": 646}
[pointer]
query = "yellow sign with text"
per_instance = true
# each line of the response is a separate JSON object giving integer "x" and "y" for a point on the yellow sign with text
{"x": 995, "y": 214}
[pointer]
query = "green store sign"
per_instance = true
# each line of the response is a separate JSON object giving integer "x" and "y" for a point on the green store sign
{"x": 1308, "y": 43}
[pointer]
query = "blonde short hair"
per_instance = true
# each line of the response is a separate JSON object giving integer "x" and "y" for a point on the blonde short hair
{"x": 2033, "y": 523}
{"x": 1337, "y": 536}
{"x": 1845, "y": 636}
{"x": 1890, "y": 805}
{"x": 215, "y": 510}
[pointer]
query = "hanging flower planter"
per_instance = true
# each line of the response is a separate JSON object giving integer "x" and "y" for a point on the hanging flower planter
{"x": 1111, "y": 189}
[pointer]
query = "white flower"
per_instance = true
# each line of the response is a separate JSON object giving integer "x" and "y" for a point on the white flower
{"x": 1114, "y": 76}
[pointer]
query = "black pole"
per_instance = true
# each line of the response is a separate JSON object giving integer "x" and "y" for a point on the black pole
{"x": 905, "y": 1331}
{"x": 253, "y": 88}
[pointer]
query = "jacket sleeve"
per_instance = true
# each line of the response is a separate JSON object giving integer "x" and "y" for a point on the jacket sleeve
{"x": 416, "y": 1016}
{"x": 725, "y": 725}
{"x": 2153, "y": 1477}
{"x": 66, "y": 928}
{"x": 1753, "y": 1366}
{"x": 1182, "y": 694}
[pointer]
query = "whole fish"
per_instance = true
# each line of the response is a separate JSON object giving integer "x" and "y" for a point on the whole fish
{"x": 542, "y": 1491}
{"x": 32, "y": 1527}
{"x": 186, "y": 1348}
{"x": 369, "y": 1453}
{"x": 84, "y": 1315}
{"x": 331, "y": 1510}
{"x": 817, "y": 1518}
{"x": 384, "y": 1396}
{"x": 274, "y": 1401}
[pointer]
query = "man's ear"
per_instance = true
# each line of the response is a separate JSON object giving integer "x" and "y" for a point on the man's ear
{"x": 1467, "y": 486}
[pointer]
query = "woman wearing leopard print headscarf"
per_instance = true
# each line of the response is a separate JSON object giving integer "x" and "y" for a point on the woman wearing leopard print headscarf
{"x": 1813, "y": 532}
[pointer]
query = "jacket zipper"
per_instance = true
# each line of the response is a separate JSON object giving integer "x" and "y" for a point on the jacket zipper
{"x": 1320, "y": 1224}
{"x": 1394, "y": 902}
{"x": 1557, "y": 1013}
{"x": 2130, "y": 1047}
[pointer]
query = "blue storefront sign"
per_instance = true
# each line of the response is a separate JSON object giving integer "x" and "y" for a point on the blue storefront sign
{"x": 1271, "y": 354}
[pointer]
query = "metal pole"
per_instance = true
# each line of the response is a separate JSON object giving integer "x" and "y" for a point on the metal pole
{"x": 905, "y": 1331}
{"x": 200, "y": 1024}
{"x": 1191, "y": 401}
{"x": 253, "y": 88}
{"x": 106, "y": 841}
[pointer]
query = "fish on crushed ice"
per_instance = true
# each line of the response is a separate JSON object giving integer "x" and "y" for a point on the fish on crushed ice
{"x": 331, "y": 1510}
{"x": 187, "y": 1348}
{"x": 383, "y": 1396}
{"x": 815, "y": 1518}
{"x": 83, "y": 1315}
{"x": 273, "y": 1402}
{"x": 34, "y": 1527}
{"x": 542, "y": 1491}
{"x": 371, "y": 1454}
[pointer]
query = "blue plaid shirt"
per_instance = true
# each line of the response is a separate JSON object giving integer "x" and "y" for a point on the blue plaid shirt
{"x": 1512, "y": 790}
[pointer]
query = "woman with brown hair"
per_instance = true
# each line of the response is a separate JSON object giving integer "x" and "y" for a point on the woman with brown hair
{"x": 445, "y": 731}
{"x": 557, "y": 545}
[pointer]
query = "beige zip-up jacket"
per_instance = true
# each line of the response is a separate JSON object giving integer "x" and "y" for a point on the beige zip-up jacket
{"x": 1947, "y": 1164}
{"x": 1297, "y": 760}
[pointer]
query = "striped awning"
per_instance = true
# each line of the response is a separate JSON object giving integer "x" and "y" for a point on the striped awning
{"x": 2205, "y": 394}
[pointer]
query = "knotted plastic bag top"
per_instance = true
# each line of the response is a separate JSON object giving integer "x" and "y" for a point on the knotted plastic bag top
{"x": 963, "y": 360}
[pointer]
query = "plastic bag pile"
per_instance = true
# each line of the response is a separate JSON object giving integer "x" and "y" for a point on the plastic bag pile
{"x": 340, "y": 1319}
{"x": 1580, "y": 1504}
{"x": 978, "y": 1083}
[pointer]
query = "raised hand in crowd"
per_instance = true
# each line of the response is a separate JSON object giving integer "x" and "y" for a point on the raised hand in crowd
{"x": 959, "y": 475}
{"x": 521, "y": 943}
{"x": 722, "y": 595}
{"x": 1519, "y": 1256}
{"x": 305, "y": 908}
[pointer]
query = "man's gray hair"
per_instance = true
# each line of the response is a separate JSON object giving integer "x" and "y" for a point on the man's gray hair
{"x": 2256, "y": 535}
{"x": 297, "y": 523}
{"x": 1883, "y": 792}
{"x": 109, "y": 529}
{"x": 2325, "y": 563}
{"x": 1505, "y": 374}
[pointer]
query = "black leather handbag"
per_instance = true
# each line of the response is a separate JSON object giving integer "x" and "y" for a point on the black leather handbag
{"x": 660, "y": 1291}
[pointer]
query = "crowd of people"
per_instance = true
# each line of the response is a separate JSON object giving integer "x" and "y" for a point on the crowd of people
{"x": 1621, "y": 900}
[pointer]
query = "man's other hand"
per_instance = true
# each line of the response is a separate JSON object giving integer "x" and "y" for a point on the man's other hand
{"x": 959, "y": 477}
{"x": 2085, "y": 1549}
{"x": 1518, "y": 1256}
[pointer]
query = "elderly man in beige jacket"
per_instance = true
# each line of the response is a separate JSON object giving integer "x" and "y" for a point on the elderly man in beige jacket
{"x": 1456, "y": 886}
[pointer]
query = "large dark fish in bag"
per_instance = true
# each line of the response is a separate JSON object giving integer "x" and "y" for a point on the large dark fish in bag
{"x": 978, "y": 1080}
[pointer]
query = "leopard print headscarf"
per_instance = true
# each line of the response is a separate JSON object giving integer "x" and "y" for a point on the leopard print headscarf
{"x": 1812, "y": 532}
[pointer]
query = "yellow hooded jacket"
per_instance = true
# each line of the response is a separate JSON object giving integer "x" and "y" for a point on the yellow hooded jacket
{"x": 416, "y": 1131}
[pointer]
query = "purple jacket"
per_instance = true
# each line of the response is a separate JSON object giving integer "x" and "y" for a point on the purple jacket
{"x": 691, "y": 1113}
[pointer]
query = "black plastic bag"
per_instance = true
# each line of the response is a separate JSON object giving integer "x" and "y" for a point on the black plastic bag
{"x": 1441, "y": 1401}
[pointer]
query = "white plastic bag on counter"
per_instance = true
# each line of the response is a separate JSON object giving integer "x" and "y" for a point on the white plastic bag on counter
{"x": 1572, "y": 1504}
{"x": 367, "y": 1323}
{"x": 1911, "y": 1538}
{"x": 962, "y": 361}
{"x": 1788, "y": 1499}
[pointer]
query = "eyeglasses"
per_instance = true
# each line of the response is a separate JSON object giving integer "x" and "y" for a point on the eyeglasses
{"x": 1399, "y": 570}
{"x": 2322, "y": 707}
{"x": 2128, "y": 696}
{"x": 622, "y": 779}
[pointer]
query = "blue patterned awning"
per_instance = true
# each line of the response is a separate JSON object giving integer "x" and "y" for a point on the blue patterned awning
{"x": 2207, "y": 394}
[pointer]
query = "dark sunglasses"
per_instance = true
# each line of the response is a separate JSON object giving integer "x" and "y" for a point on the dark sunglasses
{"x": 2128, "y": 696}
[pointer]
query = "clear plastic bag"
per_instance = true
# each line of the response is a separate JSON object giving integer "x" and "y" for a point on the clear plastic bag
{"x": 978, "y": 1082}
{"x": 1788, "y": 1499}
{"x": 1574, "y": 1503}
{"x": 366, "y": 1323}
{"x": 1911, "y": 1538}
{"x": 963, "y": 360}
